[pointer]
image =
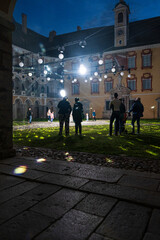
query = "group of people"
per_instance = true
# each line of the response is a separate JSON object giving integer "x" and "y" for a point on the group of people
{"x": 119, "y": 115}
{"x": 65, "y": 110}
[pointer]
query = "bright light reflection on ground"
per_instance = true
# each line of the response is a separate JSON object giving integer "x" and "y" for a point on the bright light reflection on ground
{"x": 41, "y": 160}
{"x": 109, "y": 160}
{"x": 69, "y": 158}
{"x": 20, "y": 170}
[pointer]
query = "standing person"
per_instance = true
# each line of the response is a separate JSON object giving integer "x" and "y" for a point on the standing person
{"x": 29, "y": 115}
{"x": 115, "y": 106}
{"x": 49, "y": 115}
{"x": 78, "y": 116}
{"x": 52, "y": 116}
{"x": 64, "y": 113}
{"x": 94, "y": 115}
{"x": 137, "y": 109}
{"x": 122, "y": 117}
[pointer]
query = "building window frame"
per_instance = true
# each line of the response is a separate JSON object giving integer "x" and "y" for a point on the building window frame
{"x": 108, "y": 80}
{"x": 94, "y": 66}
{"x": 146, "y": 76}
{"x": 75, "y": 91}
{"x": 146, "y": 52}
{"x": 110, "y": 58}
{"x": 75, "y": 66}
{"x": 132, "y": 54}
{"x": 94, "y": 81}
{"x": 132, "y": 78}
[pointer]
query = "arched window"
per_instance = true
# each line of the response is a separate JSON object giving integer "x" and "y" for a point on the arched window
{"x": 120, "y": 17}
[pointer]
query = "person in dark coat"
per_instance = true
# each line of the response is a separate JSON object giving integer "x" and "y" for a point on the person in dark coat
{"x": 115, "y": 106}
{"x": 64, "y": 113}
{"x": 29, "y": 115}
{"x": 137, "y": 109}
{"x": 77, "y": 115}
{"x": 122, "y": 117}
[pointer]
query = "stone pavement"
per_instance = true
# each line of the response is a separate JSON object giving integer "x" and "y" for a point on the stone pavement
{"x": 58, "y": 200}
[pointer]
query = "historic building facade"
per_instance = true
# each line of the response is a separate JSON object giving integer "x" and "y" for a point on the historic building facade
{"x": 97, "y": 62}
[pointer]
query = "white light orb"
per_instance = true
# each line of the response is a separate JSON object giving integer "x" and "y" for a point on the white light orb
{"x": 48, "y": 68}
{"x": 105, "y": 76}
{"x": 100, "y": 62}
{"x": 85, "y": 80}
{"x": 30, "y": 74}
{"x": 152, "y": 107}
{"x": 129, "y": 75}
{"x": 63, "y": 93}
{"x": 21, "y": 64}
{"x": 113, "y": 69}
{"x": 100, "y": 79}
{"x": 82, "y": 69}
{"x": 45, "y": 72}
{"x": 95, "y": 73}
{"x": 122, "y": 74}
{"x": 40, "y": 60}
{"x": 48, "y": 78}
{"x": 90, "y": 78}
{"x": 61, "y": 56}
{"x": 61, "y": 80}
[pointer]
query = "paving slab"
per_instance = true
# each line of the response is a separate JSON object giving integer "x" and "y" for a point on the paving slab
{"x": 154, "y": 224}
{"x": 24, "y": 226}
{"x": 96, "y": 204}
{"x": 126, "y": 221}
{"x": 8, "y": 181}
{"x": 59, "y": 203}
{"x": 98, "y": 173}
{"x": 64, "y": 180}
{"x": 16, "y": 190}
{"x": 133, "y": 194}
{"x": 96, "y": 236}
{"x": 139, "y": 182}
{"x": 14, "y": 207}
{"x": 75, "y": 225}
{"x": 150, "y": 236}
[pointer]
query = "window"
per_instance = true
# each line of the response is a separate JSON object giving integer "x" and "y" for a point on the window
{"x": 131, "y": 84}
{"x": 75, "y": 88}
{"x": 146, "y": 84}
{"x": 146, "y": 81}
{"x": 107, "y": 105}
{"x": 120, "y": 17}
{"x": 108, "y": 64}
{"x": 108, "y": 85}
{"x": 94, "y": 66}
{"x": 131, "y": 62}
{"x": 95, "y": 87}
{"x": 146, "y": 58}
{"x": 75, "y": 66}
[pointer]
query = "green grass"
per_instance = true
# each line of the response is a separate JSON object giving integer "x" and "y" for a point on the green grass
{"x": 95, "y": 139}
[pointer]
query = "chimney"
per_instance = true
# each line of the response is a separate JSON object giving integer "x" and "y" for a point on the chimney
{"x": 24, "y": 23}
{"x": 52, "y": 35}
{"x": 78, "y": 28}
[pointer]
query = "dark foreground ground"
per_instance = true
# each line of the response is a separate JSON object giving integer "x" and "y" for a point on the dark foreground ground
{"x": 65, "y": 200}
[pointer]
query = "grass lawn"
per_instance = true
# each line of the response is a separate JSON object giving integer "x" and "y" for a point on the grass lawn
{"x": 95, "y": 139}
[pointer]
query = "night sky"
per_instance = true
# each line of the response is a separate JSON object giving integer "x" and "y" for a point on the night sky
{"x": 64, "y": 16}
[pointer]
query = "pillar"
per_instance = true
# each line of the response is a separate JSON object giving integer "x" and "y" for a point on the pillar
{"x": 6, "y": 144}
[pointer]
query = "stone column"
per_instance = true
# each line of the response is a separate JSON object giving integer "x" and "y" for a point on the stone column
{"x": 6, "y": 146}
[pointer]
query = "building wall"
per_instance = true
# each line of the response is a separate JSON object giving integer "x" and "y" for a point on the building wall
{"x": 97, "y": 101}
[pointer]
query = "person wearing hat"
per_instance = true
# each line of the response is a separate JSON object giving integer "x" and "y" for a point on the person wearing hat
{"x": 77, "y": 116}
{"x": 64, "y": 113}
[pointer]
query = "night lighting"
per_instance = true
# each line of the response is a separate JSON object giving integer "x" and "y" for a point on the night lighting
{"x": 113, "y": 69}
{"x": 63, "y": 93}
{"x": 61, "y": 56}
{"x": 48, "y": 78}
{"x": 30, "y": 74}
{"x": 20, "y": 170}
{"x": 95, "y": 73}
{"x": 122, "y": 74}
{"x": 91, "y": 78}
{"x": 41, "y": 160}
{"x": 40, "y": 60}
{"x": 21, "y": 64}
{"x": 105, "y": 76}
{"x": 100, "y": 62}
{"x": 45, "y": 72}
{"x": 82, "y": 69}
